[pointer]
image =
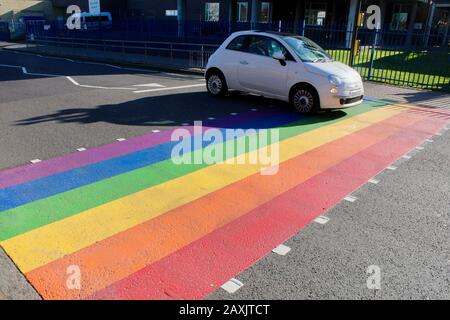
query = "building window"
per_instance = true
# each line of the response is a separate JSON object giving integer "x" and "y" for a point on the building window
{"x": 212, "y": 11}
{"x": 400, "y": 17}
{"x": 265, "y": 12}
{"x": 315, "y": 13}
{"x": 171, "y": 13}
{"x": 242, "y": 12}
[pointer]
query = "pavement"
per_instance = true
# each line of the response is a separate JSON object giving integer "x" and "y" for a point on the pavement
{"x": 119, "y": 220}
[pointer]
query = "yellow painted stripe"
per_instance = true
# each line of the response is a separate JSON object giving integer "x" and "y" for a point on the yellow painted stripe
{"x": 51, "y": 242}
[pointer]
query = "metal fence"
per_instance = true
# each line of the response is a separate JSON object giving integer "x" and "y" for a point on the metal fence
{"x": 419, "y": 59}
{"x": 4, "y": 31}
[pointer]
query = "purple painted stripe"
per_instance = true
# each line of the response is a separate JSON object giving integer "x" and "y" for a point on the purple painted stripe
{"x": 18, "y": 175}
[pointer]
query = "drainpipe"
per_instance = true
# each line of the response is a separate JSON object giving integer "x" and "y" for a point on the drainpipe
{"x": 181, "y": 6}
{"x": 411, "y": 24}
{"x": 298, "y": 16}
{"x": 255, "y": 13}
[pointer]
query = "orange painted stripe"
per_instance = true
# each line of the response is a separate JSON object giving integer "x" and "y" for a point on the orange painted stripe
{"x": 117, "y": 257}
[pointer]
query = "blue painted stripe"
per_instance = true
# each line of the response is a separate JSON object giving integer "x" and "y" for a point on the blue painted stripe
{"x": 31, "y": 191}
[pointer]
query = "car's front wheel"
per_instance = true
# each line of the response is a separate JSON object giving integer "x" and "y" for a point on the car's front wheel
{"x": 215, "y": 84}
{"x": 305, "y": 100}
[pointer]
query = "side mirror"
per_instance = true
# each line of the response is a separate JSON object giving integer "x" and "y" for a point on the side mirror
{"x": 279, "y": 56}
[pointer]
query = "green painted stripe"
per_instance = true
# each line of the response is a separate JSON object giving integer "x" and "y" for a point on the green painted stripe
{"x": 33, "y": 215}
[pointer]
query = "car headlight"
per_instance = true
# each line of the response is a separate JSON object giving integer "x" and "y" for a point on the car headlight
{"x": 335, "y": 81}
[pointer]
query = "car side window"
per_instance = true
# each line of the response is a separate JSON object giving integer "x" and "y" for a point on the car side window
{"x": 238, "y": 44}
{"x": 258, "y": 45}
{"x": 266, "y": 46}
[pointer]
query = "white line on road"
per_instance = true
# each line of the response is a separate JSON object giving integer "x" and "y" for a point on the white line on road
{"x": 322, "y": 220}
{"x": 170, "y": 88}
{"x": 350, "y": 198}
{"x": 406, "y": 157}
{"x": 392, "y": 168}
{"x": 420, "y": 148}
{"x": 232, "y": 285}
{"x": 35, "y": 161}
{"x": 374, "y": 181}
{"x": 95, "y": 87}
{"x": 73, "y": 81}
{"x": 121, "y": 139}
{"x": 81, "y": 149}
{"x": 153, "y": 85}
{"x": 281, "y": 250}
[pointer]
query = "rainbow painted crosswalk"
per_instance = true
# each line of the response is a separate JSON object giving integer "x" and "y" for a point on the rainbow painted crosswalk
{"x": 139, "y": 226}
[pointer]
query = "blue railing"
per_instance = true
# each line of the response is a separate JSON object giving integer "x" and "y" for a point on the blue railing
{"x": 419, "y": 59}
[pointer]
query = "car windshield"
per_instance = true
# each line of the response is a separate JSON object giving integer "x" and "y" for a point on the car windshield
{"x": 307, "y": 50}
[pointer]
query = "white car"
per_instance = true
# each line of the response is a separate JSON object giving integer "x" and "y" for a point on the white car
{"x": 285, "y": 67}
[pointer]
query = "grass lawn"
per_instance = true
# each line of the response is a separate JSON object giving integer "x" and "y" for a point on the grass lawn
{"x": 422, "y": 69}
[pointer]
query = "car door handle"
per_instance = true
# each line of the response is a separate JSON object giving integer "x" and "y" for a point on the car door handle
{"x": 244, "y": 63}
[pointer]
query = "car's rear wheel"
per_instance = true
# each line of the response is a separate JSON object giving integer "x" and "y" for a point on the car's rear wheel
{"x": 216, "y": 84}
{"x": 305, "y": 100}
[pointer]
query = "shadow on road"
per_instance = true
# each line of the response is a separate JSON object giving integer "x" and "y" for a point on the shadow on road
{"x": 175, "y": 110}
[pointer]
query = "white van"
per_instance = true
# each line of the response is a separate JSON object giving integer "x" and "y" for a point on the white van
{"x": 285, "y": 67}
{"x": 91, "y": 21}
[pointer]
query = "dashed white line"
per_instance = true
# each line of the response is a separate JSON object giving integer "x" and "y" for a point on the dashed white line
{"x": 392, "y": 168}
{"x": 374, "y": 181}
{"x": 406, "y": 157}
{"x": 156, "y": 131}
{"x": 34, "y": 161}
{"x": 420, "y": 148}
{"x": 281, "y": 250}
{"x": 322, "y": 220}
{"x": 232, "y": 285}
{"x": 350, "y": 199}
{"x": 81, "y": 149}
{"x": 121, "y": 139}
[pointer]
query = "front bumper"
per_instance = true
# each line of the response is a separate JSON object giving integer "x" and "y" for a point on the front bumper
{"x": 342, "y": 98}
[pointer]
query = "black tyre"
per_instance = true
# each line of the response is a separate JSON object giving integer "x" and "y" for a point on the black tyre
{"x": 305, "y": 100}
{"x": 216, "y": 84}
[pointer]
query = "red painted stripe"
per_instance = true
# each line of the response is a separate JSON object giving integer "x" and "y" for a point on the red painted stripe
{"x": 201, "y": 267}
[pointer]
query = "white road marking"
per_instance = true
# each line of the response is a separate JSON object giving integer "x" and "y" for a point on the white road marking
{"x": 282, "y": 250}
{"x": 153, "y": 85}
{"x": 406, "y": 157}
{"x": 420, "y": 148}
{"x": 374, "y": 181}
{"x": 350, "y": 198}
{"x": 95, "y": 87}
{"x": 156, "y": 131}
{"x": 322, "y": 220}
{"x": 429, "y": 141}
{"x": 121, "y": 139}
{"x": 392, "y": 168}
{"x": 73, "y": 81}
{"x": 211, "y": 118}
{"x": 170, "y": 88}
{"x": 81, "y": 149}
{"x": 35, "y": 161}
{"x": 233, "y": 114}
{"x": 232, "y": 285}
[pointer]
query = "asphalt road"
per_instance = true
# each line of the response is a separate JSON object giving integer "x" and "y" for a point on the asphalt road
{"x": 50, "y": 107}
